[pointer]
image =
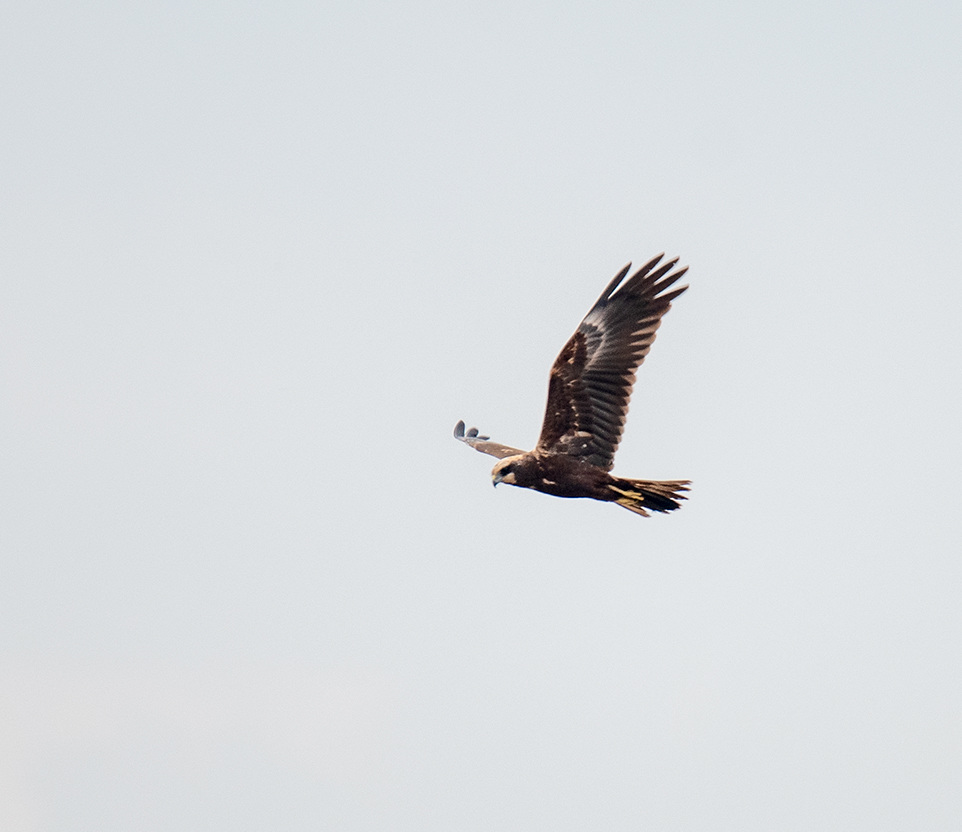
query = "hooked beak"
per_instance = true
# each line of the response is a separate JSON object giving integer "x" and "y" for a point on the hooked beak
{"x": 502, "y": 473}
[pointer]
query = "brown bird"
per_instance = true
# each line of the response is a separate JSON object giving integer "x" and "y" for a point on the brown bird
{"x": 588, "y": 394}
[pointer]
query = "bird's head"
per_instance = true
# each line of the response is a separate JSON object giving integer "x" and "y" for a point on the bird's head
{"x": 505, "y": 470}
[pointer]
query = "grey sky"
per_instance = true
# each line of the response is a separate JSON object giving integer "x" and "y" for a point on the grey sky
{"x": 258, "y": 260}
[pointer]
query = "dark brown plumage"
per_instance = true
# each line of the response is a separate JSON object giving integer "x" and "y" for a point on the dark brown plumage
{"x": 588, "y": 394}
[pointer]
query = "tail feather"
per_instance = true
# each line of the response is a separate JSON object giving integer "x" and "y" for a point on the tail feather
{"x": 642, "y": 496}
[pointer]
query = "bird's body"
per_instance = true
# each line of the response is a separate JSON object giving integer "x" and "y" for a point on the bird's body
{"x": 588, "y": 393}
{"x": 555, "y": 474}
{"x": 565, "y": 476}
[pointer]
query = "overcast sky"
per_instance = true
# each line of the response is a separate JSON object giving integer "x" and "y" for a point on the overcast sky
{"x": 258, "y": 259}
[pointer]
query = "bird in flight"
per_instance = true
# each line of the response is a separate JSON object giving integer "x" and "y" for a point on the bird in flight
{"x": 588, "y": 393}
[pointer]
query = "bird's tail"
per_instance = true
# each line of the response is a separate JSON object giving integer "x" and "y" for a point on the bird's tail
{"x": 642, "y": 496}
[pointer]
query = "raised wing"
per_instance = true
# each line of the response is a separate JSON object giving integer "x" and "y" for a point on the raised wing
{"x": 481, "y": 443}
{"x": 591, "y": 380}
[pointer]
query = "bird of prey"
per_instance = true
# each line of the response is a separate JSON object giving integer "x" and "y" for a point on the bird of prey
{"x": 588, "y": 393}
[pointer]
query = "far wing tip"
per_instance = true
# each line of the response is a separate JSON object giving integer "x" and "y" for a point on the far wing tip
{"x": 471, "y": 436}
